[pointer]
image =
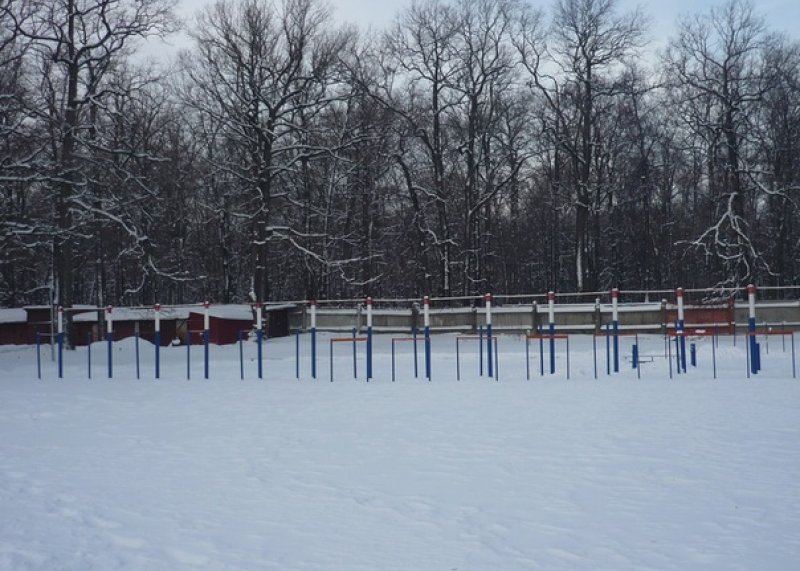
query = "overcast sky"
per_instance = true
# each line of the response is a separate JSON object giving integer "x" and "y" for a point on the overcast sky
{"x": 781, "y": 15}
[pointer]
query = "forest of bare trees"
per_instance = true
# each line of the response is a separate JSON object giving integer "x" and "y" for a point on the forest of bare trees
{"x": 471, "y": 146}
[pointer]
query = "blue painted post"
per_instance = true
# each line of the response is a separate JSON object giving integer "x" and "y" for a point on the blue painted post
{"x": 594, "y": 354}
{"x": 496, "y": 360}
{"x": 241, "y": 357}
{"x": 136, "y": 345}
{"x": 551, "y": 300}
{"x": 608, "y": 349}
{"x": 567, "y": 357}
{"x": 489, "y": 356}
{"x": 259, "y": 338}
{"x": 678, "y": 354}
{"x": 794, "y": 371}
{"x": 681, "y": 330}
{"x": 110, "y": 340}
{"x": 426, "y": 312}
{"x": 541, "y": 352}
{"x": 416, "y": 366}
{"x": 206, "y": 324}
{"x": 157, "y": 339}
{"x": 669, "y": 357}
{"x": 635, "y": 356}
{"x": 714, "y": 359}
{"x": 60, "y": 342}
{"x": 313, "y": 304}
{"x": 189, "y": 356}
{"x": 89, "y": 354}
{"x": 615, "y": 319}
{"x": 747, "y": 350}
{"x": 480, "y": 350}
{"x": 297, "y": 354}
{"x": 355, "y": 360}
{"x": 369, "y": 338}
{"x": 38, "y": 356}
{"x": 693, "y": 354}
{"x": 751, "y": 327}
{"x": 330, "y": 357}
{"x": 756, "y": 357}
{"x": 638, "y": 364}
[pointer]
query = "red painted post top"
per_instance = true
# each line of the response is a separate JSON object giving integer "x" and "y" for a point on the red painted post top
{"x": 369, "y": 300}
{"x": 487, "y": 298}
{"x": 205, "y": 305}
{"x": 551, "y": 296}
{"x": 426, "y": 300}
{"x": 679, "y": 292}
{"x": 157, "y": 307}
{"x": 108, "y": 309}
{"x": 614, "y": 293}
{"x": 60, "y": 309}
{"x": 312, "y": 302}
{"x": 751, "y": 289}
{"x": 259, "y": 305}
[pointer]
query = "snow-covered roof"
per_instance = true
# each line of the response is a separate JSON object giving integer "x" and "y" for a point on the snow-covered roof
{"x": 278, "y": 306}
{"x": 15, "y": 315}
{"x": 135, "y": 314}
{"x": 238, "y": 312}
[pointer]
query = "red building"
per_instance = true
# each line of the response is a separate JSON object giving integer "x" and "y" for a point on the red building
{"x": 225, "y": 324}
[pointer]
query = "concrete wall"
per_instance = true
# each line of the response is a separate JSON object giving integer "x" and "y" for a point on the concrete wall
{"x": 573, "y": 318}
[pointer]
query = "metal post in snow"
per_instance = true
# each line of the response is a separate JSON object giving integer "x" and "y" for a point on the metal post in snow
{"x": 330, "y": 359}
{"x": 369, "y": 338}
{"x": 189, "y": 356}
{"x": 496, "y": 360}
{"x": 426, "y": 302}
{"x": 794, "y": 370}
{"x": 528, "y": 355}
{"x": 681, "y": 328}
{"x": 487, "y": 298}
{"x": 157, "y": 338}
{"x": 38, "y": 357}
{"x": 259, "y": 339}
{"x": 313, "y": 307}
{"x": 594, "y": 354}
{"x": 355, "y": 360}
{"x": 541, "y": 352}
{"x": 416, "y": 365}
{"x": 551, "y": 318}
{"x": 567, "y": 337}
{"x": 458, "y": 359}
{"x": 206, "y": 324}
{"x": 751, "y": 327}
{"x": 110, "y": 339}
{"x": 136, "y": 345}
{"x": 241, "y": 357}
{"x": 297, "y": 354}
{"x": 638, "y": 364}
{"x": 714, "y": 359}
{"x": 89, "y": 355}
{"x": 393, "y": 360}
{"x": 480, "y": 350}
{"x": 608, "y": 349}
{"x": 615, "y": 322}
{"x": 60, "y": 342}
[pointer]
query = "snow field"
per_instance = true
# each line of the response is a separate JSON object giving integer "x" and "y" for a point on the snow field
{"x": 549, "y": 474}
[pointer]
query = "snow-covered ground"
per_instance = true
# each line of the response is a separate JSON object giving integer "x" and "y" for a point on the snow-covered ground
{"x": 615, "y": 473}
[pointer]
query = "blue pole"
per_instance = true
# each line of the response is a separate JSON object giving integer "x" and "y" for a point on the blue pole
{"x": 714, "y": 358}
{"x": 369, "y": 353}
{"x": 682, "y": 345}
{"x": 330, "y": 358}
{"x": 608, "y": 350}
{"x": 756, "y": 358}
{"x": 489, "y": 364}
{"x": 747, "y": 346}
{"x": 259, "y": 339}
{"x": 669, "y": 357}
{"x": 635, "y": 356}
{"x": 496, "y": 361}
{"x": 205, "y": 354}
{"x": 158, "y": 354}
{"x": 297, "y": 354}
{"x": 678, "y": 354}
{"x": 541, "y": 352}
{"x": 189, "y": 357}
{"x": 355, "y": 360}
{"x": 552, "y": 348}
{"x": 567, "y": 357}
{"x": 794, "y": 371}
{"x": 110, "y": 339}
{"x": 89, "y": 354}
{"x": 693, "y": 354}
{"x": 428, "y": 352}
{"x": 480, "y": 349}
{"x": 416, "y": 366}
{"x": 594, "y": 354}
{"x": 61, "y": 355}
{"x": 38, "y": 357}
{"x": 136, "y": 345}
{"x": 241, "y": 357}
{"x": 751, "y": 328}
{"x": 313, "y": 352}
{"x": 616, "y": 346}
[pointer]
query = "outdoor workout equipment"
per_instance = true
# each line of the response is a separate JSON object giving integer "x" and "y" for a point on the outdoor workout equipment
{"x": 542, "y": 337}
{"x": 412, "y": 339}
{"x": 354, "y": 340}
{"x": 478, "y": 338}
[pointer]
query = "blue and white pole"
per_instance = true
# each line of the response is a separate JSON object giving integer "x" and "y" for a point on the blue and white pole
{"x": 615, "y": 325}
{"x": 206, "y": 324}
{"x": 313, "y": 304}
{"x": 259, "y": 338}
{"x": 60, "y": 342}
{"x": 551, "y": 318}
{"x": 487, "y": 298}
{"x": 426, "y": 302}
{"x": 110, "y": 340}
{"x": 369, "y": 338}
{"x": 751, "y": 328}
{"x": 681, "y": 330}
{"x": 157, "y": 338}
